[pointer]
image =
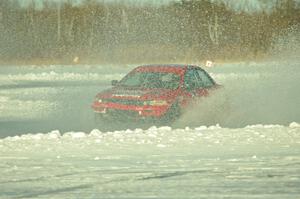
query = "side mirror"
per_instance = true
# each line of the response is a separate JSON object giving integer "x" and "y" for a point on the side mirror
{"x": 114, "y": 82}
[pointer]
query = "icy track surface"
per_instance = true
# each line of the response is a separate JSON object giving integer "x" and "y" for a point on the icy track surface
{"x": 258, "y": 161}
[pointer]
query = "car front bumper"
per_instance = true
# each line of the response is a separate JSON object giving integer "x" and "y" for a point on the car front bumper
{"x": 129, "y": 110}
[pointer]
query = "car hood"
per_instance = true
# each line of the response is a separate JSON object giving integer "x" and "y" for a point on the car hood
{"x": 138, "y": 93}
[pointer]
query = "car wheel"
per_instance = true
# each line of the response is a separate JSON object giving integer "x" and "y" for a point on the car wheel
{"x": 172, "y": 114}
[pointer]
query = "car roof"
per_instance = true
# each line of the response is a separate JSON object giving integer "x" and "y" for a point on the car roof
{"x": 169, "y": 65}
{"x": 165, "y": 65}
{"x": 172, "y": 67}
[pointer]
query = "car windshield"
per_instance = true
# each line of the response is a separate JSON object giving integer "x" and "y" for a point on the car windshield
{"x": 151, "y": 80}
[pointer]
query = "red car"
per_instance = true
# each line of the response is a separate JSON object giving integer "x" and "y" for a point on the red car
{"x": 154, "y": 91}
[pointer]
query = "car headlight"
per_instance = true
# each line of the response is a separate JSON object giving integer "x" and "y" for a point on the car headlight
{"x": 97, "y": 99}
{"x": 156, "y": 102}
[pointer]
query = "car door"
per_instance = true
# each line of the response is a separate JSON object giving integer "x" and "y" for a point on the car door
{"x": 191, "y": 86}
{"x": 195, "y": 83}
{"x": 205, "y": 81}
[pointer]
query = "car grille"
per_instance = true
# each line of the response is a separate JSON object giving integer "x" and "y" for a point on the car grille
{"x": 124, "y": 101}
{"x": 122, "y": 113}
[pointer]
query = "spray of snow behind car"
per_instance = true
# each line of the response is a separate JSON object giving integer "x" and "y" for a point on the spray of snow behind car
{"x": 253, "y": 93}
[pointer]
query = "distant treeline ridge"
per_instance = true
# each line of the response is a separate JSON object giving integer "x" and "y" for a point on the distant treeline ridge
{"x": 118, "y": 33}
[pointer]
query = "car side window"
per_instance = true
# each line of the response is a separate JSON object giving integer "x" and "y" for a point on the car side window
{"x": 190, "y": 80}
{"x": 205, "y": 80}
{"x": 132, "y": 79}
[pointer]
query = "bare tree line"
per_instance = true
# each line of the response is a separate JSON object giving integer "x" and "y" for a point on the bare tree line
{"x": 119, "y": 33}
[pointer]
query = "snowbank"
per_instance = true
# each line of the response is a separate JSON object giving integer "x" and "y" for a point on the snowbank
{"x": 259, "y": 160}
{"x": 209, "y": 140}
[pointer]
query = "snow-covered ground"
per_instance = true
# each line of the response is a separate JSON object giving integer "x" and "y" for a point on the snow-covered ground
{"x": 260, "y": 161}
{"x": 52, "y": 147}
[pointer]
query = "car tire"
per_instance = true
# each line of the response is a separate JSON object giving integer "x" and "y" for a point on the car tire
{"x": 172, "y": 114}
